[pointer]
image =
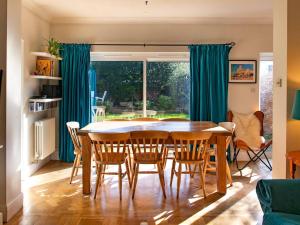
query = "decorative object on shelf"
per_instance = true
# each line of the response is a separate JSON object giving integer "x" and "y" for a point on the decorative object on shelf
{"x": 242, "y": 71}
{"x": 44, "y": 66}
{"x": 54, "y": 47}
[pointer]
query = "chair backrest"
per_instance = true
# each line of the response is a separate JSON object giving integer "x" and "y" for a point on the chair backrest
{"x": 191, "y": 145}
{"x": 149, "y": 145}
{"x": 230, "y": 126}
{"x": 175, "y": 119}
{"x": 73, "y": 128}
{"x": 259, "y": 115}
{"x": 145, "y": 119}
{"x": 107, "y": 143}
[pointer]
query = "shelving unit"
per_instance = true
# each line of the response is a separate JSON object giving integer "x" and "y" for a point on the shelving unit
{"x": 46, "y": 55}
{"x": 44, "y": 100}
{"x": 44, "y": 104}
{"x": 45, "y": 77}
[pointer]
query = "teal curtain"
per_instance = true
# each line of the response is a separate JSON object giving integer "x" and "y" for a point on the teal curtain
{"x": 209, "y": 82}
{"x": 76, "y": 100}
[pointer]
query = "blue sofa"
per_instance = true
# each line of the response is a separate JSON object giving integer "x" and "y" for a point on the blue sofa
{"x": 280, "y": 201}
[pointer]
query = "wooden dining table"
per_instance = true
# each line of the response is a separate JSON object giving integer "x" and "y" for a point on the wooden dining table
{"x": 219, "y": 135}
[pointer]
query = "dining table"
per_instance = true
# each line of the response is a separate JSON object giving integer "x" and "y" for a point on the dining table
{"x": 219, "y": 136}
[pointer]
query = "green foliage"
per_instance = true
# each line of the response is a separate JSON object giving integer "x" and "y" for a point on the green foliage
{"x": 167, "y": 84}
{"x": 54, "y": 47}
{"x": 165, "y": 103}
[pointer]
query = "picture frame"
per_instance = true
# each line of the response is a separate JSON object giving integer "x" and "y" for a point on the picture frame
{"x": 242, "y": 71}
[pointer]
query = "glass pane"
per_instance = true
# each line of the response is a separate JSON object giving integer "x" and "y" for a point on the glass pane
{"x": 119, "y": 89}
{"x": 168, "y": 89}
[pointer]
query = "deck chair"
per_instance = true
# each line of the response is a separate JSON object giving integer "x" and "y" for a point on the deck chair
{"x": 254, "y": 153}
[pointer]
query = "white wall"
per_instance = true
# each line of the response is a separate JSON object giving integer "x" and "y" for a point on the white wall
{"x": 11, "y": 198}
{"x": 280, "y": 93}
{"x": 251, "y": 40}
{"x": 35, "y": 32}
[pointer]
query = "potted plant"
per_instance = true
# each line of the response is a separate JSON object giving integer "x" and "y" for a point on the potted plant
{"x": 54, "y": 47}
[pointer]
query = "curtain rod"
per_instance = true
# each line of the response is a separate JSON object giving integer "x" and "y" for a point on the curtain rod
{"x": 149, "y": 45}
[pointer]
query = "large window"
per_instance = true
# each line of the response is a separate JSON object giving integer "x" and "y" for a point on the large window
{"x": 130, "y": 88}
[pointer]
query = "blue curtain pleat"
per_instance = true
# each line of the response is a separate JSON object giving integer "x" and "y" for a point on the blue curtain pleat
{"x": 76, "y": 100}
{"x": 209, "y": 82}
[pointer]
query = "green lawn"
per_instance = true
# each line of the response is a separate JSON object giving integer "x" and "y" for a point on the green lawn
{"x": 159, "y": 116}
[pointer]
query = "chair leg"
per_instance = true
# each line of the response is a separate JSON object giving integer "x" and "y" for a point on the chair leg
{"x": 191, "y": 171}
{"x": 179, "y": 179}
{"x": 161, "y": 178}
{"x": 98, "y": 182}
{"x": 73, "y": 168}
{"x": 205, "y": 165}
{"x": 202, "y": 180}
{"x": 128, "y": 172}
{"x": 228, "y": 172}
{"x": 120, "y": 181}
{"x": 136, "y": 172}
{"x": 172, "y": 171}
{"x": 78, "y": 164}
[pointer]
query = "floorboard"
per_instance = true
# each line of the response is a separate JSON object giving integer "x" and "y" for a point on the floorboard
{"x": 49, "y": 199}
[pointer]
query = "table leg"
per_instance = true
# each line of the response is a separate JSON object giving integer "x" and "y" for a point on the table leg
{"x": 86, "y": 164}
{"x": 221, "y": 164}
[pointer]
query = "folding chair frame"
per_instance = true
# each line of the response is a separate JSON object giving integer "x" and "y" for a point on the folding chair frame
{"x": 256, "y": 156}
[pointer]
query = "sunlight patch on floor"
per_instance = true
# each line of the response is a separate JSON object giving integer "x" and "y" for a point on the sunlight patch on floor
{"x": 45, "y": 178}
{"x": 237, "y": 186}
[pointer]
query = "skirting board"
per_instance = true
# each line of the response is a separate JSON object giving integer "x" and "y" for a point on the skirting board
{"x": 11, "y": 209}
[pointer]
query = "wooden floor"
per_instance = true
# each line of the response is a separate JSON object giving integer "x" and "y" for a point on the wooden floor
{"x": 50, "y": 199}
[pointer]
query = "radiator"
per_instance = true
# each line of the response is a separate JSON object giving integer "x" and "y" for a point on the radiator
{"x": 44, "y": 138}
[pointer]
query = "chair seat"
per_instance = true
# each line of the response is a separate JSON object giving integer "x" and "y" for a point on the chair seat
{"x": 113, "y": 158}
{"x": 187, "y": 157}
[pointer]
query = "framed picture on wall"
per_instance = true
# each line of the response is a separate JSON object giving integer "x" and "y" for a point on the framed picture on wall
{"x": 242, "y": 71}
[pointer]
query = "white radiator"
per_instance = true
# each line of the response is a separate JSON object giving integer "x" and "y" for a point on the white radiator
{"x": 44, "y": 138}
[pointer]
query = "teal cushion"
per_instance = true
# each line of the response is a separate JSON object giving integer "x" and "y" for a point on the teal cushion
{"x": 281, "y": 219}
{"x": 279, "y": 196}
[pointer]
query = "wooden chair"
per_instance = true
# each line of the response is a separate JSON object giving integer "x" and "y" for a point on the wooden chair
{"x": 257, "y": 153}
{"x": 211, "y": 153}
{"x": 169, "y": 152}
{"x": 111, "y": 149}
{"x": 145, "y": 119}
{"x": 73, "y": 128}
{"x": 148, "y": 147}
{"x": 190, "y": 148}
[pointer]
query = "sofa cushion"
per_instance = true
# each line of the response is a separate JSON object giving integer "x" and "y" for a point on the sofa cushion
{"x": 276, "y": 218}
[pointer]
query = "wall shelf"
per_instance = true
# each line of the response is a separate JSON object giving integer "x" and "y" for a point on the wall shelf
{"x": 46, "y": 55}
{"x": 44, "y": 100}
{"x": 45, "y": 77}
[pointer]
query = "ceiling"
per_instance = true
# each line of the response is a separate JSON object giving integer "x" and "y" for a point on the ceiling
{"x": 156, "y": 11}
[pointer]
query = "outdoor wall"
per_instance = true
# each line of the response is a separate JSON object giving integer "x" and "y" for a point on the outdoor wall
{"x": 35, "y": 32}
{"x": 251, "y": 40}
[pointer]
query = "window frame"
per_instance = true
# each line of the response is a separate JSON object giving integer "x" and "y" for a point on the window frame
{"x": 141, "y": 57}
